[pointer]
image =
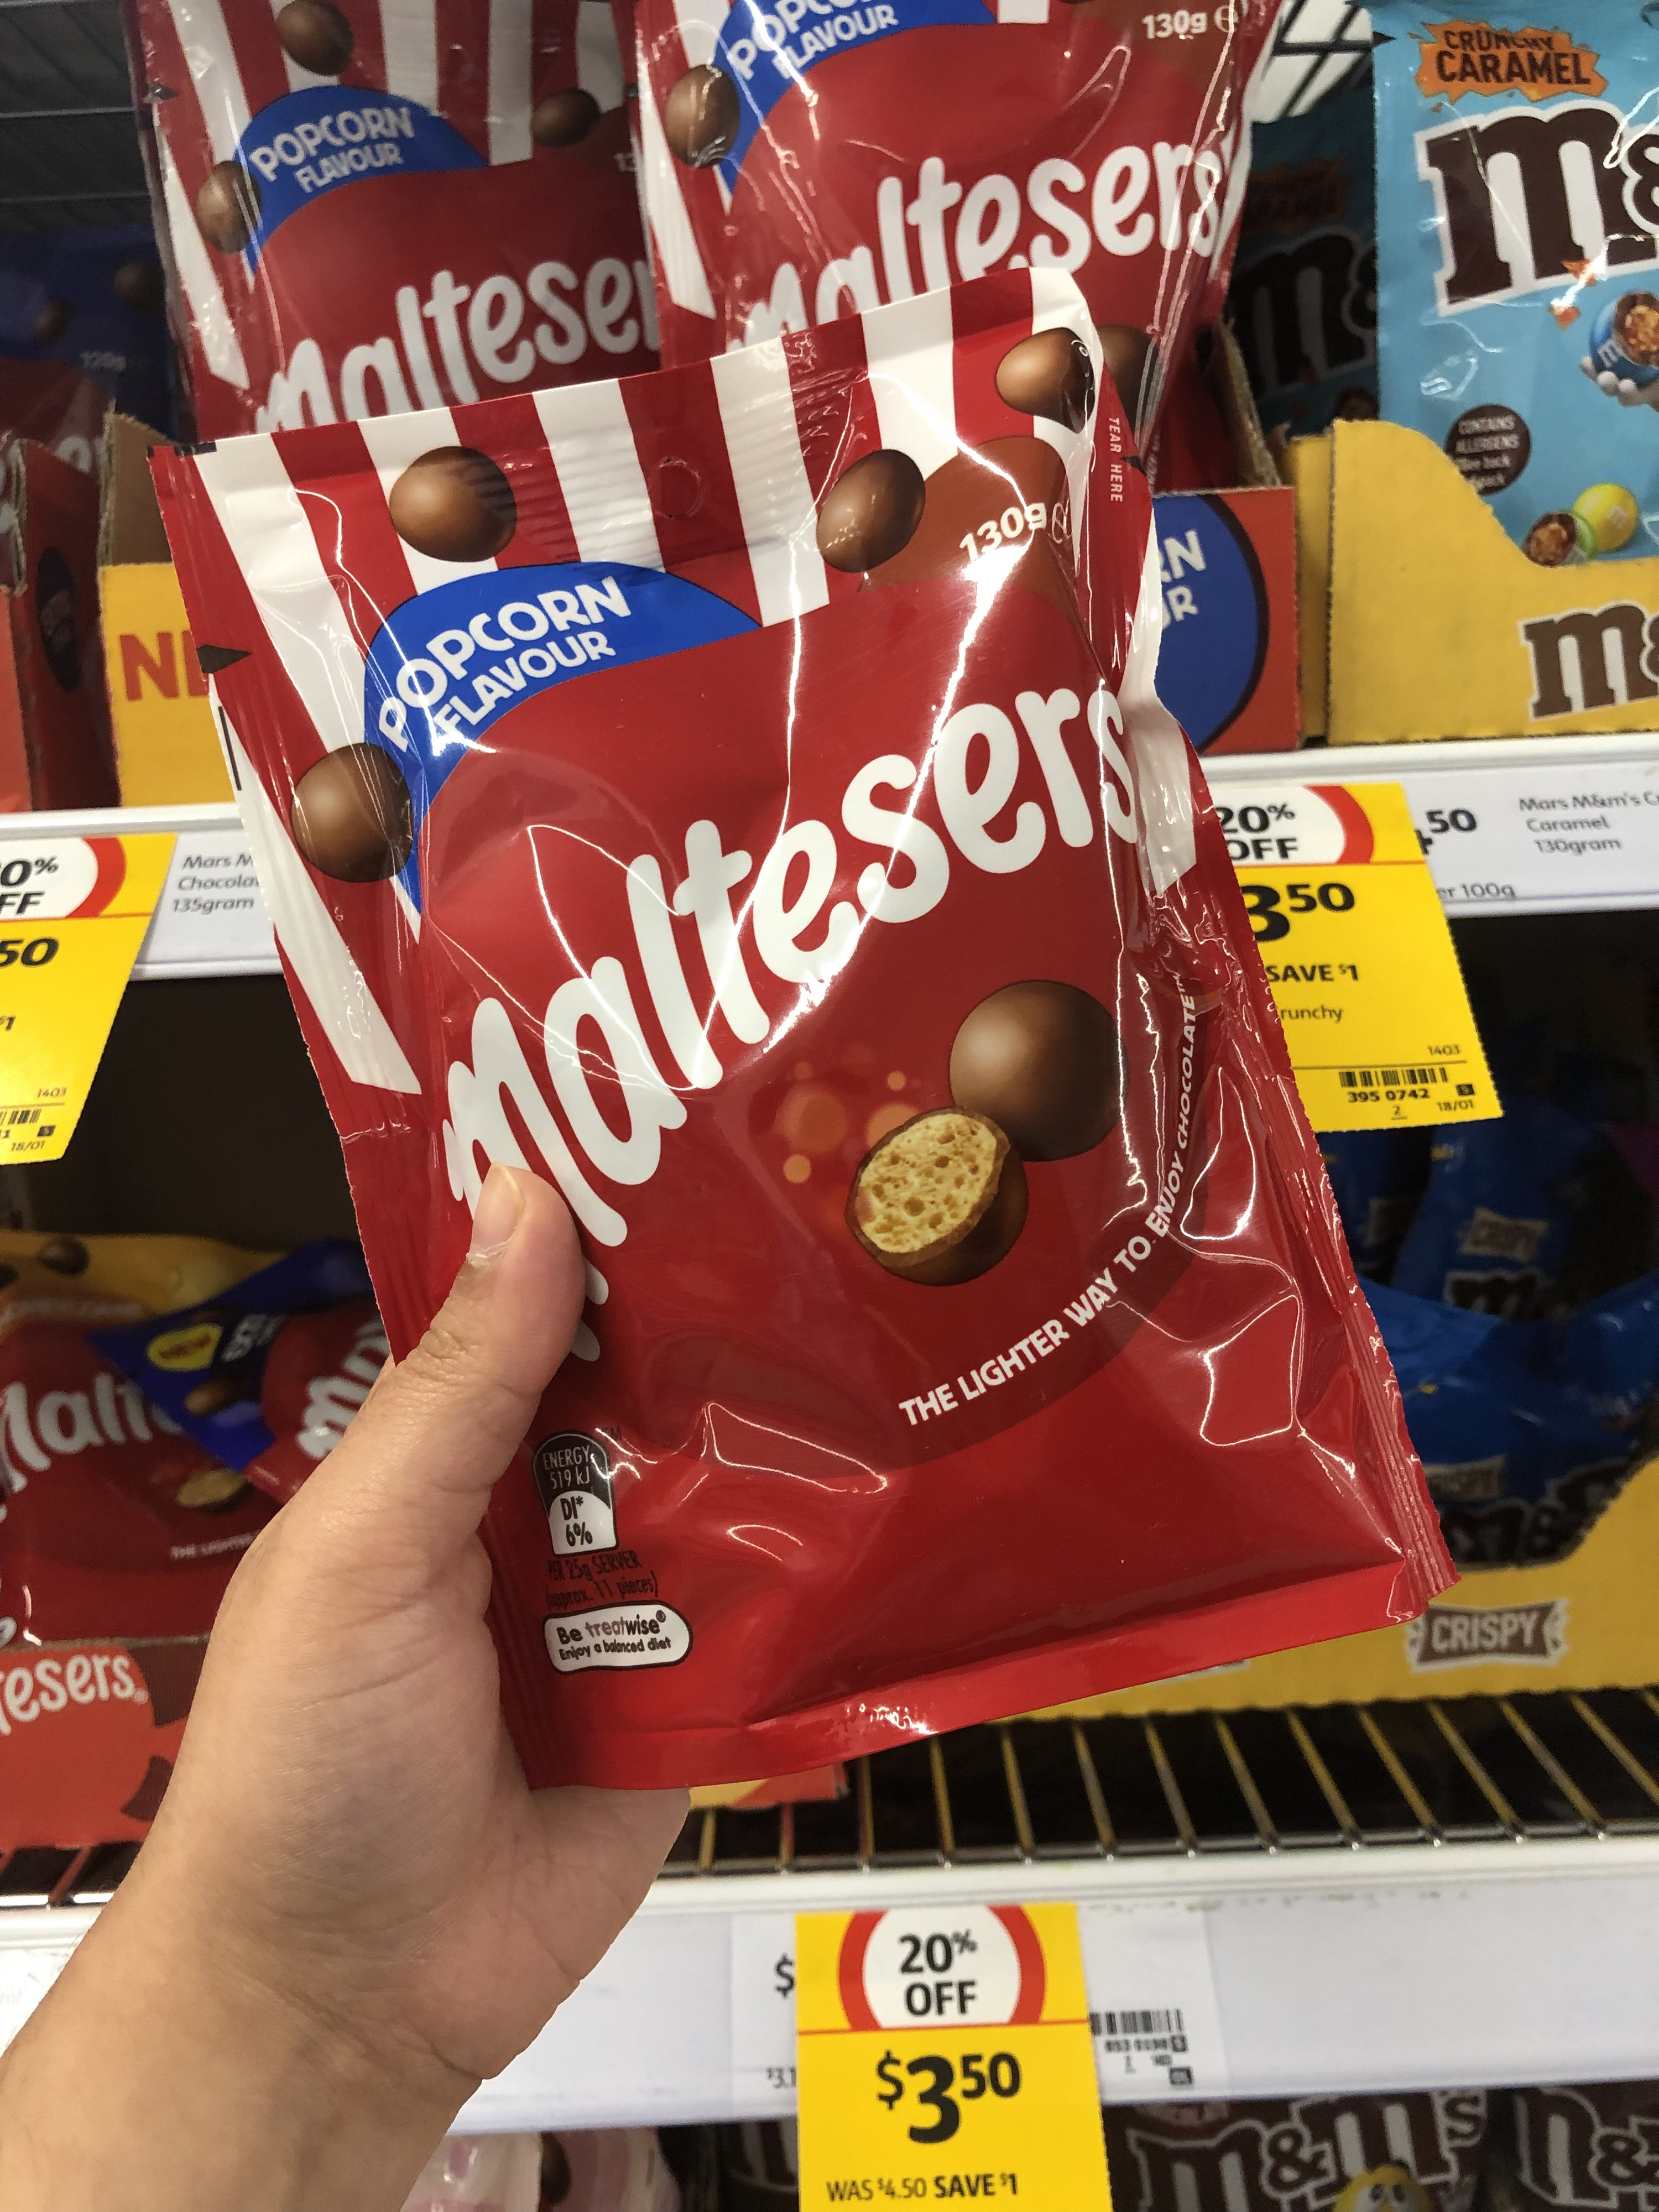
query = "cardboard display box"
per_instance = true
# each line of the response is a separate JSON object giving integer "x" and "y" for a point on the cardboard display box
{"x": 54, "y": 721}
{"x": 1585, "y": 1623}
{"x": 1440, "y": 627}
{"x": 1227, "y": 665}
{"x": 167, "y": 749}
{"x": 1227, "y": 561}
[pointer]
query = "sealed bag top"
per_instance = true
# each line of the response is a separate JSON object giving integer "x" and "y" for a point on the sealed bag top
{"x": 702, "y": 790}
{"x": 382, "y": 204}
{"x": 808, "y": 159}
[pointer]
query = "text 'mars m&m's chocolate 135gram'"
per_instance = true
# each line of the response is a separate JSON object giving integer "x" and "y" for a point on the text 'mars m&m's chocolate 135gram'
{"x": 716, "y": 803}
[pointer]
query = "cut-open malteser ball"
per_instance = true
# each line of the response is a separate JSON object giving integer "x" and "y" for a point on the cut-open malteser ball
{"x": 940, "y": 1199}
{"x": 352, "y": 816}
{"x": 453, "y": 504}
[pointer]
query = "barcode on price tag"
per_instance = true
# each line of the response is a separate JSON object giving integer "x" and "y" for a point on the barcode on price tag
{"x": 1153, "y": 2011}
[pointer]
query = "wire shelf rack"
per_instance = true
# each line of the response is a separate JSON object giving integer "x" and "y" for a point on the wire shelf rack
{"x": 1363, "y": 1777}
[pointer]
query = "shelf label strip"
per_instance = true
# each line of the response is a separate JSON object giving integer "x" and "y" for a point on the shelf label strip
{"x": 1358, "y": 954}
{"x": 945, "y": 2052}
{"x": 73, "y": 914}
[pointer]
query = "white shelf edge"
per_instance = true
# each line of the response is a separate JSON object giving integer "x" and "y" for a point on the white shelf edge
{"x": 1558, "y": 1938}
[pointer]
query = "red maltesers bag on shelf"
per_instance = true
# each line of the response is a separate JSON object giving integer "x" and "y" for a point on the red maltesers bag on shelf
{"x": 811, "y": 160}
{"x": 702, "y": 790}
{"x": 386, "y": 204}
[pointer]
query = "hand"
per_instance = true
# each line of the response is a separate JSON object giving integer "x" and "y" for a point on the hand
{"x": 351, "y": 1908}
{"x": 1624, "y": 389}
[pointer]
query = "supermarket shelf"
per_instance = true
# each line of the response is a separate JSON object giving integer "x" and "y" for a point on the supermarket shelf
{"x": 1555, "y": 826}
{"x": 1344, "y": 1898}
{"x": 210, "y": 919}
{"x": 1526, "y": 825}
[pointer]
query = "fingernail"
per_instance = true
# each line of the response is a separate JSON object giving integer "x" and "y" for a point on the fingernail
{"x": 500, "y": 1204}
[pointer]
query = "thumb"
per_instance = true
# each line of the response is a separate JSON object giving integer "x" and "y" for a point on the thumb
{"x": 409, "y": 1482}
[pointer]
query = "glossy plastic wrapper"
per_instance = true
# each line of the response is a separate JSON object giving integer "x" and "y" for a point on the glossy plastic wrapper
{"x": 381, "y": 204}
{"x": 810, "y": 161}
{"x": 725, "y": 815}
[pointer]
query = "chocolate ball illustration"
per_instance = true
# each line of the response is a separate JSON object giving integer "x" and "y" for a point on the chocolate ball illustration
{"x": 8, "y": 1275}
{"x": 871, "y": 512}
{"x": 1128, "y": 353}
{"x": 227, "y": 206}
{"x": 65, "y": 1256}
{"x": 352, "y": 818}
{"x": 54, "y": 319}
{"x": 453, "y": 504}
{"x": 563, "y": 118}
{"x": 138, "y": 284}
{"x": 1041, "y": 1060}
{"x": 939, "y": 1200}
{"x": 700, "y": 117}
{"x": 214, "y": 1490}
{"x": 315, "y": 35}
{"x": 556, "y": 2173}
{"x": 1049, "y": 374}
{"x": 213, "y": 1395}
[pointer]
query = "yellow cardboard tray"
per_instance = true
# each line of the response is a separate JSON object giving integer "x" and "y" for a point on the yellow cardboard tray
{"x": 1440, "y": 627}
{"x": 167, "y": 749}
{"x": 1586, "y": 1623}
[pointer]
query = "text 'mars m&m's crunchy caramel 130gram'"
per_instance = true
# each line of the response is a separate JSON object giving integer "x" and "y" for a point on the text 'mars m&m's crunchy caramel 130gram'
{"x": 375, "y": 205}
{"x": 703, "y": 791}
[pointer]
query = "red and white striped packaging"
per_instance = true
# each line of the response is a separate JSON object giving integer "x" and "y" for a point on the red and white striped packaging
{"x": 375, "y": 205}
{"x": 804, "y": 159}
{"x": 740, "y": 752}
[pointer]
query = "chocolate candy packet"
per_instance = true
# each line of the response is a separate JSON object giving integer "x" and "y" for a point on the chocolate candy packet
{"x": 703, "y": 790}
{"x": 267, "y": 1374}
{"x": 1586, "y": 2148}
{"x": 1304, "y": 297}
{"x": 94, "y": 303}
{"x": 1413, "y": 2151}
{"x": 1518, "y": 255}
{"x": 810, "y": 162}
{"x": 1526, "y": 1430}
{"x": 382, "y": 204}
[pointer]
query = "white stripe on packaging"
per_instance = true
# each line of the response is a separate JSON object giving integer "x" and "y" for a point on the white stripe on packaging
{"x": 393, "y": 442}
{"x": 1055, "y": 306}
{"x": 270, "y": 541}
{"x": 910, "y": 350}
{"x": 763, "y": 441}
{"x": 598, "y": 63}
{"x": 700, "y": 23}
{"x": 210, "y": 317}
{"x": 345, "y": 1008}
{"x": 409, "y": 35}
{"x": 591, "y": 441}
{"x": 1022, "y": 11}
{"x": 510, "y": 44}
{"x": 213, "y": 72}
{"x": 1162, "y": 758}
{"x": 678, "y": 256}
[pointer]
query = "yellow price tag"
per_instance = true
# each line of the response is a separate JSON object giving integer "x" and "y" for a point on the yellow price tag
{"x": 943, "y": 2057}
{"x": 1358, "y": 954}
{"x": 73, "y": 914}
